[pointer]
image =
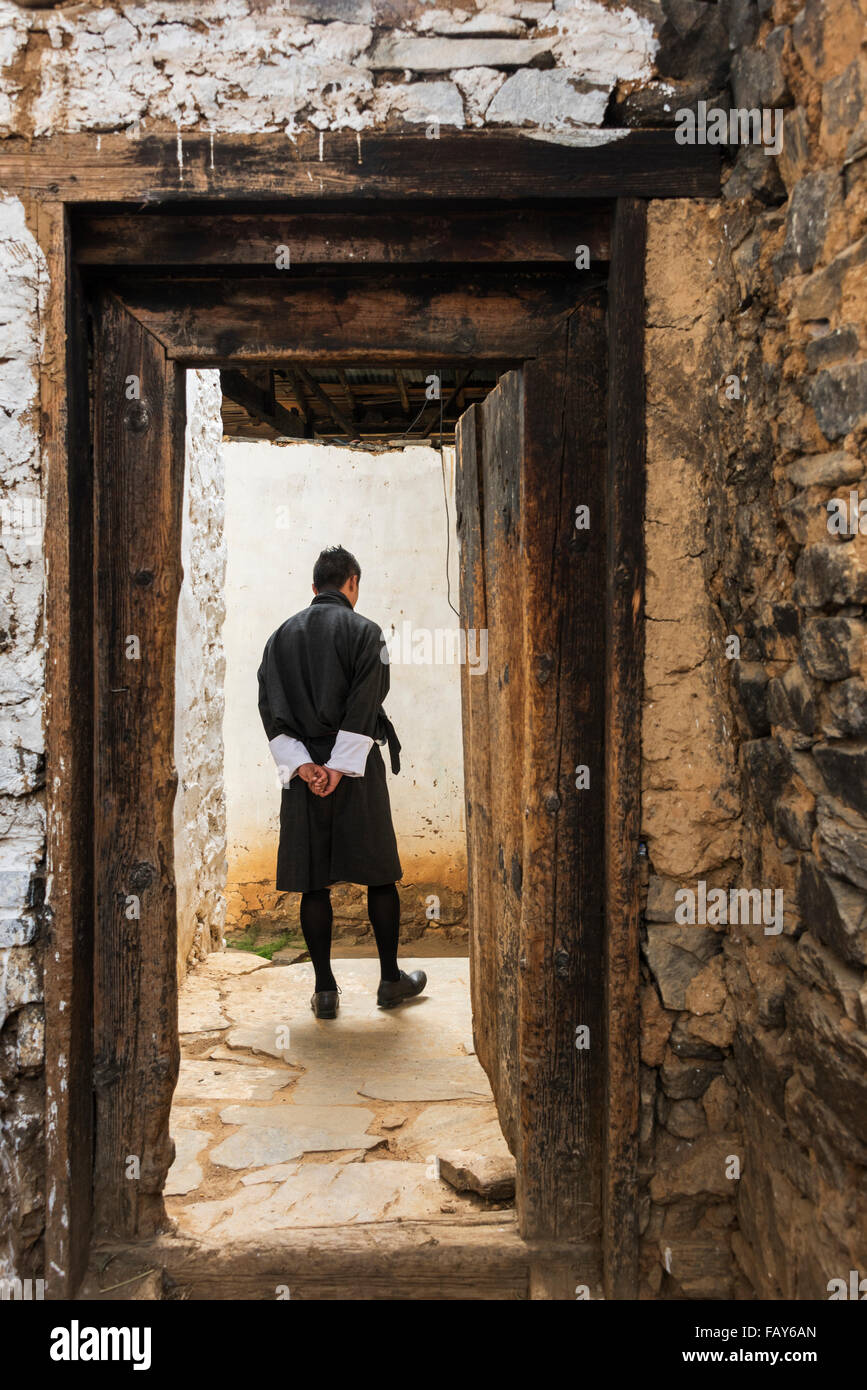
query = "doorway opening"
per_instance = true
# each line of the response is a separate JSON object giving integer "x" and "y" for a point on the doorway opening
{"x": 563, "y": 599}
{"x": 281, "y": 1121}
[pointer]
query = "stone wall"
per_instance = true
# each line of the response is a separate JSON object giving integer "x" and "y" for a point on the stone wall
{"x": 200, "y": 668}
{"x": 794, "y": 591}
{"x": 754, "y": 1042}
{"x": 240, "y": 66}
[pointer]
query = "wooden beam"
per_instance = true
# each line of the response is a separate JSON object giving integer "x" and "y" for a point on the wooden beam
{"x": 462, "y": 381}
{"x": 244, "y": 392}
{"x": 86, "y": 168}
{"x": 68, "y": 539}
{"x": 409, "y": 1261}
{"x": 401, "y": 386}
{"x": 298, "y": 391}
{"x": 335, "y": 414}
{"x": 560, "y": 613}
{"x": 493, "y": 317}
{"x": 250, "y": 240}
{"x": 624, "y": 686}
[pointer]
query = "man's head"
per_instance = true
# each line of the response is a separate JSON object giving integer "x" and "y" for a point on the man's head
{"x": 337, "y": 569}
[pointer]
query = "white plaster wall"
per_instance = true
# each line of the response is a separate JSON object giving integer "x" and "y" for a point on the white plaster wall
{"x": 285, "y": 503}
{"x": 200, "y": 807}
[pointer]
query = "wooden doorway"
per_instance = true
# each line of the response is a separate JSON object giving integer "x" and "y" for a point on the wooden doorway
{"x": 193, "y": 300}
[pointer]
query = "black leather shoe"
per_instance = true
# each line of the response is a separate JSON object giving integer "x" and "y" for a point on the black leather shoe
{"x": 325, "y": 1004}
{"x": 393, "y": 992}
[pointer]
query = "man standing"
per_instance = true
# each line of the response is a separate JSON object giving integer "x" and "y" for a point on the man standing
{"x": 322, "y": 681}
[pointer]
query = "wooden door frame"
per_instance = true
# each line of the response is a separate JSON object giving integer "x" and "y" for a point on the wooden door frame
{"x": 61, "y": 175}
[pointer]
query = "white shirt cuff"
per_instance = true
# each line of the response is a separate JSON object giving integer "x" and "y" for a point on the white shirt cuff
{"x": 349, "y": 754}
{"x": 289, "y": 754}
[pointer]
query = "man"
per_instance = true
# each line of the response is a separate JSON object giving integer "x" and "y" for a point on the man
{"x": 323, "y": 678}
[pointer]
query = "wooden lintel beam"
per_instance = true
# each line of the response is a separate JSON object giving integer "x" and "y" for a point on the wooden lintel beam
{"x": 495, "y": 318}
{"x": 345, "y": 165}
{"x": 245, "y": 393}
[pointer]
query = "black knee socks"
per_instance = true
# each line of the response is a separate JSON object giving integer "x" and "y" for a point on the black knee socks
{"x": 383, "y": 909}
{"x": 316, "y": 917}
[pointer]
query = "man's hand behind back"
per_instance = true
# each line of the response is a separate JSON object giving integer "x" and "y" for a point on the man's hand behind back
{"x": 333, "y": 778}
{"x": 315, "y": 776}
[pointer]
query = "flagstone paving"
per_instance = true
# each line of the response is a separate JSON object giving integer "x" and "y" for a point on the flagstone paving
{"x": 282, "y": 1120}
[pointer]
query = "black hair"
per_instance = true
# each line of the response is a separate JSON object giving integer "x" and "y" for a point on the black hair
{"x": 334, "y": 566}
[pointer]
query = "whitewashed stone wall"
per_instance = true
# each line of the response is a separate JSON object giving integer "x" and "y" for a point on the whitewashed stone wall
{"x": 22, "y": 812}
{"x": 236, "y": 66}
{"x": 200, "y": 666}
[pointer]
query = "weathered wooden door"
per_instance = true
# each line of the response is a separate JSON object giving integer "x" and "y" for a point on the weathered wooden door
{"x": 138, "y": 397}
{"x": 531, "y": 526}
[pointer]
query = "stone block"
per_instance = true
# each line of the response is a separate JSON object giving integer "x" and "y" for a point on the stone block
{"x": 550, "y": 100}
{"x": 700, "y": 1172}
{"x": 839, "y": 398}
{"x": 844, "y": 768}
{"x": 834, "y": 648}
{"x": 401, "y": 52}
{"x": 422, "y": 102}
{"x": 847, "y": 707}
{"x": 757, "y": 75}
{"x": 840, "y": 345}
{"x": 793, "y": 159}
{"x": 751, "y": 683}
{"x": 682, "y": 1080}
{"x": 686, "y": 1119}
{"x": 819, "y": 297}
{"x": 675, "y": 955}
{"x": 830, "y": 574}
{"x": 492, "y": 1176}
{"x": 825, "y": 470}
{"x": 720, "y": 1105}
{"x": 810, "y": 206}
{"x": 660, "y": 899}
{"x": 767, "y": 768}
{"x": 790, "y": 701}
{"x": 763, "y": 1065}
{"x": 842, "y": 106}
{"x": 832, "y": 1060}
{"x": 825, "y": 970}
{"x": 795, "y": 817}
{"x": 655, "y": 1027}
{"x": 20, "y": 979}
{"x": 835, "y": 910}
{"x": 686, "y": 1045}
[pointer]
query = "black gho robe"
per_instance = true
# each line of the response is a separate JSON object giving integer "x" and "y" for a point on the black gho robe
{"x": 322, "y": 681}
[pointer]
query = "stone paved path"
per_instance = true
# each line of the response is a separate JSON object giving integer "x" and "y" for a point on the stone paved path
{"x": 282, "y": 1120}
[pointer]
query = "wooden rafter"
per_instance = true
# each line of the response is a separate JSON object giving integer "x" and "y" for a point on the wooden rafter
{"x": 260, "y": 404}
